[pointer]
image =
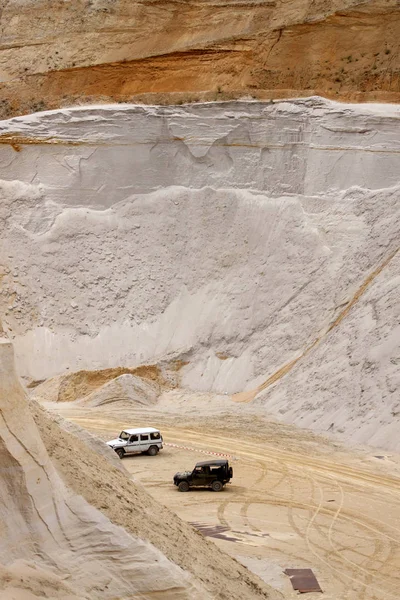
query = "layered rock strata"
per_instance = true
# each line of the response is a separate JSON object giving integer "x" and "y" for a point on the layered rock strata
{"x": 226, "y": 239}
{"x": 55, "y": 54}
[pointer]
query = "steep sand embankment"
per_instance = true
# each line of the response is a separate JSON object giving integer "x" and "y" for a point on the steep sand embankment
{"x": 349, "y": 381}
{"x": 52, "y": 538}
{"x": 58, "y": 54}
{"x": 220, "y": 243}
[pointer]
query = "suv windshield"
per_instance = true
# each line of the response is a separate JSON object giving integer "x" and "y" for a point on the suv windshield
{"x": 123, "y": 435}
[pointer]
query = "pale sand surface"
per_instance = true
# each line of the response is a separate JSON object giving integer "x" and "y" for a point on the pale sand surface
{"x": 244, "y": 248}
{"x": 296, "y": 499}
{"x": 248, "y": 252}
{"x": 59, "y": 542}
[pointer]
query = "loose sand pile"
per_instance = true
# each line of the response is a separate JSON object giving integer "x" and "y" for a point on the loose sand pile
{"x": 93, "y": 388}
{"x": 125, "y": 388}
{"x": 84, "y": 384}
{"x": 89, "y": 439}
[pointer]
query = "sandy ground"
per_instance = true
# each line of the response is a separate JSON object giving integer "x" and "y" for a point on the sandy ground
{"x": 54, "y": 544}
{"x": 296, "y": 500}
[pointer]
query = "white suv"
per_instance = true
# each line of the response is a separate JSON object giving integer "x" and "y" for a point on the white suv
{"x": 135, "y": 441}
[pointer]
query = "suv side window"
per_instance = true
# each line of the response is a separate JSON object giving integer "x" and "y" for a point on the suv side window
{"x": 133, "y": 438}
{"x": 144, "y": 438}
{"x": 155, "y": 436}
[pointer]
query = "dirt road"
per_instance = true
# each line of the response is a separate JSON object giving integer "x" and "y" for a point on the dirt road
{"x": 295, "y": 501}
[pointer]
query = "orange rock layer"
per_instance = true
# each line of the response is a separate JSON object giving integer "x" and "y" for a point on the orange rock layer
{"x": 178, "y": 51}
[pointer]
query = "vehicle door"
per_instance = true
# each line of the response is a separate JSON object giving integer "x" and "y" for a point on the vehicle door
{"x": 200, "y": 476}
{"x": 133, "y": 445}
{"x": 144, "y": 442}
{"x": 218, "y": 473}
{"x": 156, "y": 439}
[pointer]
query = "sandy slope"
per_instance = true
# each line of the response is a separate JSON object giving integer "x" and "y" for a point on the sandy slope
{"x": 218, "y": 244}
{"x": 52, "y": 542}
{"x": 349, "y": 382}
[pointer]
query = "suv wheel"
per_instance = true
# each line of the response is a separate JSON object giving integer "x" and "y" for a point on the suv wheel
{"x": 183, "y": 486}
{"x": 120, "y": 452}
{"x": 217, "y": 486}
{"x": 152, "y": 451}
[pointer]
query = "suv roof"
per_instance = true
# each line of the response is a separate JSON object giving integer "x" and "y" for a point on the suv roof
{"x": 141, "y": 430}
{"x": 209, "y": 463}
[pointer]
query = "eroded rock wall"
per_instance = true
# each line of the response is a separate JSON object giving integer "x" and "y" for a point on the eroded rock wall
{"x": 58, "y": 53}
{"x": 222, "y": 239}
{"x": 224, "y": 236}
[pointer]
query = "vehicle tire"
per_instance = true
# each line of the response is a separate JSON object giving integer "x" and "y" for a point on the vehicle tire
{"x": 120, "y": 452}
{"x": 217, "y": 486}
{"x": 152, "y": 451}
{"x": 183, "y": 486}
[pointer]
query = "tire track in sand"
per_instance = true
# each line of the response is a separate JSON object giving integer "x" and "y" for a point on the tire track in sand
{"x": 325, "y": 525}
{"x": 315, "y": 548}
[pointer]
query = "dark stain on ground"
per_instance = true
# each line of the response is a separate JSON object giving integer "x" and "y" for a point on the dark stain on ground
{"x": 214, "y": 531}
{"x": 219, "y": 532}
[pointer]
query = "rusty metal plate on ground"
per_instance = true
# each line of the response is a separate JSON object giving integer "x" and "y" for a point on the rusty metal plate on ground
{"x": 303, "y": 580}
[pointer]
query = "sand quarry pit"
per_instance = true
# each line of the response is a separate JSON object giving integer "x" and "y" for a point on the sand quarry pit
{"x": 228, "y": 272}
{"x": 296, "y": 500}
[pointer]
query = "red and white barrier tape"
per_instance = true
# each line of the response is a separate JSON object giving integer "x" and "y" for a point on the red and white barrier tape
{"x": 201, "y": 451}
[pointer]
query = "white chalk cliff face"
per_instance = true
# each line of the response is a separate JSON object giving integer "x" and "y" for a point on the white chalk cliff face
{"x": 52, "y": 542}
{"x": 230, "y": 236}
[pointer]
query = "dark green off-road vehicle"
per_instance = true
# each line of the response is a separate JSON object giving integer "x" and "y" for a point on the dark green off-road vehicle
{"x": 211, "y": 473}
